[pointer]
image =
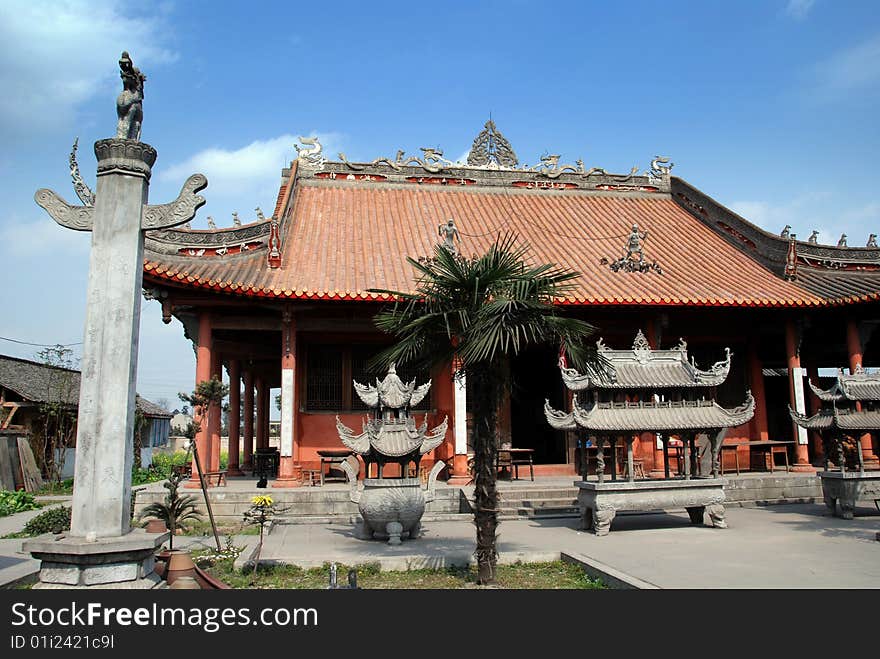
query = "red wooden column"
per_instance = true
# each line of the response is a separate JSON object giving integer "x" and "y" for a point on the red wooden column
{"x": 204, "y": 352}
{"x": 262, "y": 413}
{"x": 248, "y": 452}
{"x": 289, "y": 472}
{"x": 214, "y": 420}
{"x": 459, "y": 427}
{"x": 658, "y": 470}
{"x": 802, "y": 458}
{"x": 232, "y": 468}
{"x": 854, "y": 347}
{"x": 815, "y": 406}
{"x": 756, "y": 384}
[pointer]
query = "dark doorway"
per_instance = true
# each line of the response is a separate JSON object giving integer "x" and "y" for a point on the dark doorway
{"x": 535, "y": 376}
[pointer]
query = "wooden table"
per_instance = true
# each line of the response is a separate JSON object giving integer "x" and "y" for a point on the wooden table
{"x": 767, "y": 448}
{"x": 516, "y": 457}
{"x": 330, "y": 458}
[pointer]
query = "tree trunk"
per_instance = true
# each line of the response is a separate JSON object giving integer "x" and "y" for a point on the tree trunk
{"x": 486, "y": 398}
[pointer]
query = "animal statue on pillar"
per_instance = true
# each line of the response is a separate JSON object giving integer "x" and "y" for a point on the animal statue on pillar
{"x": 129, "y": 103}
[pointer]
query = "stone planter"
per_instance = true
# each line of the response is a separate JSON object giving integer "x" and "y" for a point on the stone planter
{"x": 600, "y": 502}
{"x": 841, "y": 490}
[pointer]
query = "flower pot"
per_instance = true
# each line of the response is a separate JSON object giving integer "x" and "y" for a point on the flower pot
{"x": 156, "y": 526}
{"x": 179, "y": 564}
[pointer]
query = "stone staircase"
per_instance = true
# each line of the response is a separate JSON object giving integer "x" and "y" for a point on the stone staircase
{"x": 530, "y": 503}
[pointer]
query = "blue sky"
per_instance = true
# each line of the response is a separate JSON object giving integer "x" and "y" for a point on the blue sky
{"x": 768, "y": 106}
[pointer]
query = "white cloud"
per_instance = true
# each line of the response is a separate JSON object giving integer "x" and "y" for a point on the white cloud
{"x": 42, "y": 237}
{"x": 818, "y": 211}
{"x": 798, "y": 9}
{"x": 240, "y": 179}
{"x": 65, "y": 52}
{"x": 851, "y": 69}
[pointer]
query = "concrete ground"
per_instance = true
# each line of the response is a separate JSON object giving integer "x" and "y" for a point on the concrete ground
{"x": 782, "y": 546}
{"x": 779, "y": 546}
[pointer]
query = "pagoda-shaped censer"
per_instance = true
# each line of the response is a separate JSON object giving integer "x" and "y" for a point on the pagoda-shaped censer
{"x": 849, "y": 409}
{"x": 392, "y": 507}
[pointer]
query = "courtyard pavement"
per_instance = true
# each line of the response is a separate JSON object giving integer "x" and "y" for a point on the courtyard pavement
{"x": 779, "y": 546}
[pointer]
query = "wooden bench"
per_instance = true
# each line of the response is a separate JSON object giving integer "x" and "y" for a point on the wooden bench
{"x": 219, "y": 476}
{"x": 766, "y": 448}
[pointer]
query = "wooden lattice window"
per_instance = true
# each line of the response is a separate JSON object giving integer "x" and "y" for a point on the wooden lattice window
{"x": 324, "y": 369}
{"x": 331, "y": 369}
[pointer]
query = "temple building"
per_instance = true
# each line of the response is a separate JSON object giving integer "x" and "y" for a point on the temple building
{"x": 288, "y": 300}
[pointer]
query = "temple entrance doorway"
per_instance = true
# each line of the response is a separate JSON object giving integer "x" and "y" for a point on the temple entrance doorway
{"x": 535, "y": 376}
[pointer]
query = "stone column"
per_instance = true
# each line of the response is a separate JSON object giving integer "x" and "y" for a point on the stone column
{"x": 459, "y": 428}
{"x": 204, "y": 361}
{"x": 247, "y": 457}
{"x": 854, "y": 348}
{"x": 232, "y": 468}
{"x": 289, "y": 472}
{"x": 796, "y": 396}
{"x": 101, "y": 550}
{"x": 102, "y": 499}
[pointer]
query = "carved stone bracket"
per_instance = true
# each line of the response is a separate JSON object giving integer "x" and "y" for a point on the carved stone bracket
{"x": 79, "y": 218}
{"x": 86, "y": 196}
{"x": 179, "y": 211}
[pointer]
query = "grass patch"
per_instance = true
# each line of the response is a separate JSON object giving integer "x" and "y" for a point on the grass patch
{"x": 552, "y": 575}
{"x": 53, "y": 488}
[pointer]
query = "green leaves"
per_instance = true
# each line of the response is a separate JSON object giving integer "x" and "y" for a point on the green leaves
{"x": 482, "y": 307}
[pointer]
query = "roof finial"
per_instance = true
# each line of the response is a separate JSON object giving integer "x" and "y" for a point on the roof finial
{"x": 842, "y": 241}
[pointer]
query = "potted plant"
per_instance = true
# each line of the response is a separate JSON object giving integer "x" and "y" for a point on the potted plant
{"x": 175, "y": 511}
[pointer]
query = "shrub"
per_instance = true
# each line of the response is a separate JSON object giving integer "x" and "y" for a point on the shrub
{"x": 53, "y": 520}
{"x": 16, "y": 502}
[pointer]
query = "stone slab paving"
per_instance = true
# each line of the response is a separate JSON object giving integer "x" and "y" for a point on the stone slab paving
{"x": 782, "y": 546}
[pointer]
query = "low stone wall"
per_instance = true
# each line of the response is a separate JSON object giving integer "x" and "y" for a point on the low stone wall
{"x": 770, "y": 489}
{"x": 228, "y": 505}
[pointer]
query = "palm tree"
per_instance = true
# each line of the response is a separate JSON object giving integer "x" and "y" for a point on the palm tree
{"x": 477, "y": 312}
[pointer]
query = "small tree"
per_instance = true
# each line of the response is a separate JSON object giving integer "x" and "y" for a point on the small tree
{"x": 207, "y": 394}
{"x": 57, "y": 411}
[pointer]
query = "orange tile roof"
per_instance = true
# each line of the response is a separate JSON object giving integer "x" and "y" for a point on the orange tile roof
{"x": 347, "y": 237}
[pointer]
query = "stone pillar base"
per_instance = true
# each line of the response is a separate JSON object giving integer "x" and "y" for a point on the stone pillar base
{"x": 804, "y": 468}
{"x": 234, "y": 472}
{"x": 289, "y": 474}
{"x": 459, "y": 470}
{"x": 123, "y": 562}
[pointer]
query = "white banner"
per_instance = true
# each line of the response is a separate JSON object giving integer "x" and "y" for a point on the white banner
{"x": 286, "y": 412}
{"x": 798, "y": 375}
{"x": 460, "y": 412}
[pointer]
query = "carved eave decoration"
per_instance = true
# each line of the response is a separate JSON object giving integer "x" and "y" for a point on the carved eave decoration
{"x": 392, "y": 392}
{"x": 651, "y": 415}
{"x": 654, "y": 368}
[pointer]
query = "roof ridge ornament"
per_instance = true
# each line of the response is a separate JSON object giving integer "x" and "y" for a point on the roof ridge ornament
{"x": 641, "y": 348}
{"x": 491, "y": 149}
{"x": 448, "y": 232}
{"x": 660, "y": 169}
{"x": 312, "y": 153}
{"x": 634, "y": 258}
{"x": 791, "y": 259}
